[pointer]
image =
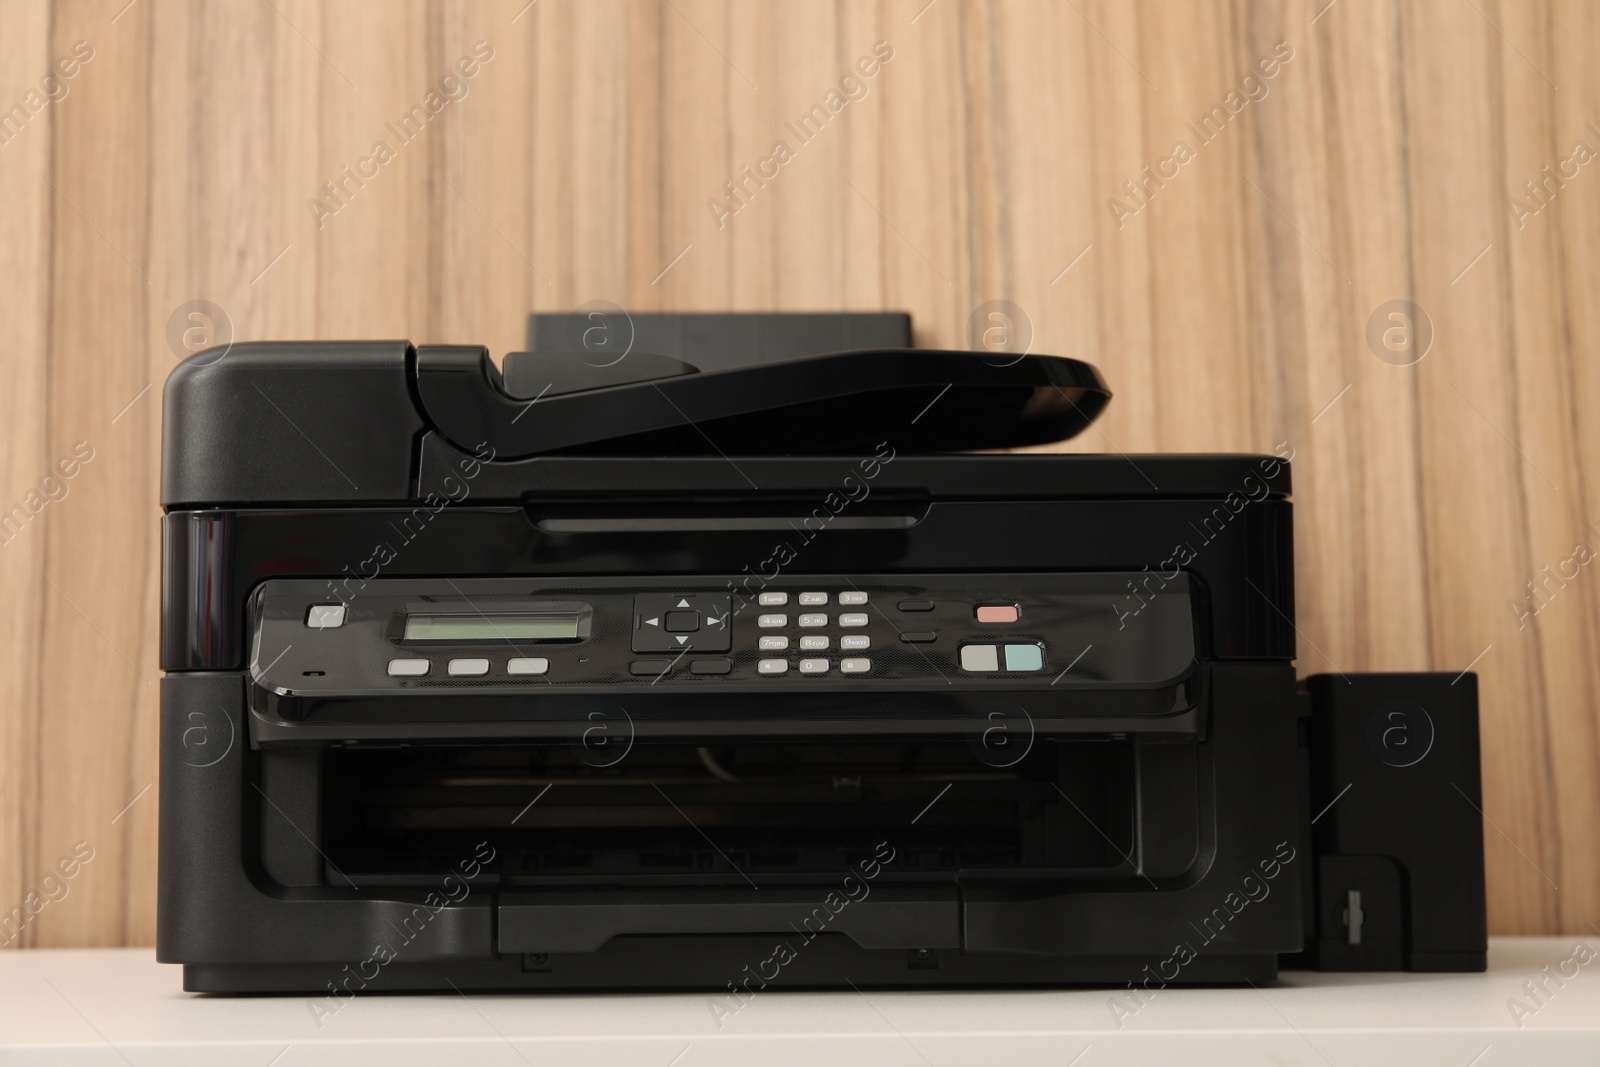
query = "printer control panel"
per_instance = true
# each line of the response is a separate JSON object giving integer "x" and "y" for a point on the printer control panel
{"x": 1006, "y": 630}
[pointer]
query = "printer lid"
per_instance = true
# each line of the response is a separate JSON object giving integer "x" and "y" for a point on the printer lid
{"x": 839, "y": 402}
{"x": 273, "y": 422}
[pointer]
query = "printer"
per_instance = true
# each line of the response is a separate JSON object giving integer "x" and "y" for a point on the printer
{"x": 740, "y": 652}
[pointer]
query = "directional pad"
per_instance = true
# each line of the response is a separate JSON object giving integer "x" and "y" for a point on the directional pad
{"x": 676, "y": 622}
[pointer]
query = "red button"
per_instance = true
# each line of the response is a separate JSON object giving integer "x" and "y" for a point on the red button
{"x": 997, "y": 613}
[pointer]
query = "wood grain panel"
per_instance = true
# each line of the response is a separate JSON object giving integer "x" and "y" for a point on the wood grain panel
{"x": 25, "y": 248}
{"x": 1228, "y": 302}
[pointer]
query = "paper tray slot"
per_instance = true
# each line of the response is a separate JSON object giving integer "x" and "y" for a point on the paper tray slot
{"x": 873, "y": 917}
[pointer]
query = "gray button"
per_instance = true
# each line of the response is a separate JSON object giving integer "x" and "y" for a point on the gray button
{"x": 811, "y": 600}
{"x": 855, "y": 642}
{"x": 813, "y": 666}
{"x": 813, "y": 643}
{"x": 853, "y": 598}
{"x": 979, "y": 658}
{"x": 469, "y": 666}
{"x": 325, "y": 616}
{"x": 855, "y": 666}
{"x": 772, "y": 666}
{"x": 773, "y": 600}
{"x": 853, "y": 620}
{"x": 527, "y": 666}
{"x": 407, "y": 668}
{"x": 773, "y": 643}
{"x": 813, "y": 620}
{"x": 772, "y": 622}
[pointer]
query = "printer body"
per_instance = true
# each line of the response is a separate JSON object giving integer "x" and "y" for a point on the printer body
{"x": 729, "y": 664}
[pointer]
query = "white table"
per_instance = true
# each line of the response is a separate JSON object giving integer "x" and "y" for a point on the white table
{"x": 120, "y": 1007}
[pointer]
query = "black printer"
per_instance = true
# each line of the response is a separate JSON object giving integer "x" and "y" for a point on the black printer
{"x": 724, "y": 652}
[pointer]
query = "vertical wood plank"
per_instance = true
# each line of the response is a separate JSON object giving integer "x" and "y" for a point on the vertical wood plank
{"x": 97, "y": 691}
{"x": 26, "y": 235}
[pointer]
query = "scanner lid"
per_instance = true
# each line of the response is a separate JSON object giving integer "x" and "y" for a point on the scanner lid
{"x": 647, "y": 403}
{"x": 274, "y": 422}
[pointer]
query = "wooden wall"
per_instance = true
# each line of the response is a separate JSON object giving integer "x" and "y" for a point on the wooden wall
{"x": 1229, "y": 309}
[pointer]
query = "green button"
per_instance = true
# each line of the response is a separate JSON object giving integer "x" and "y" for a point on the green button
{"x": 1024, "y": 658}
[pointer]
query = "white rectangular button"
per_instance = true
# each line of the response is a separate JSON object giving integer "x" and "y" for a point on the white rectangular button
{"x": 855, "y": 666}
{"x": 811, "y": 600}
{"x": 407, "y": 668}
{"x": 813, "y": 620}
{"x": 855, "y": 642}
{"x": 527, "y": 666}
{"x": 772, "y": 622}
{"x": 772, "y": 666}
{"x": 853, "y": 620}
{"x": 853, "y": 598}
{"x": 980, "y": 658}
{"x": 813, "y": 666}
{"x": 325, "y": 616}
{"x": 813, "y": 643}
{"x": 773, "y": 643}
{"x": 773, "y": 600}
{"x": 469, "y": 666}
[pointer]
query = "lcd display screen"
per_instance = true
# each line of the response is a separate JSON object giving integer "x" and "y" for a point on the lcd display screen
{"x": 480, "y": 627}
